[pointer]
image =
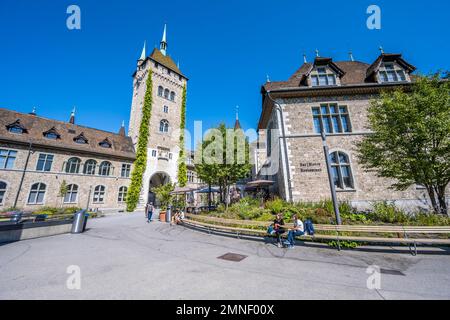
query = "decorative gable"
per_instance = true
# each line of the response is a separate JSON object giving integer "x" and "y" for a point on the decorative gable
{"x": 324, "y": 72}
{"x": 105, "y": 143}
{"x": 52, "y": 134}
{"x": 81, "y": 139}
{"x": 390, "y": 68}
{"x": 16, "y": 127}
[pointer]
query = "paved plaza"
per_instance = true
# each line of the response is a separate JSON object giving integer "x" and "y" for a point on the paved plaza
{"x": 123, "y": 257}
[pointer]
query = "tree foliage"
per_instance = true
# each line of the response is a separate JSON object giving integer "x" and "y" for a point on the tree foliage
{"x": 163, "y": 194}
{"x": 228, "y": 162}
{"x": 411, "y": 138}
{"x": 141, "y": 152}
{"x": 182, "y": 170}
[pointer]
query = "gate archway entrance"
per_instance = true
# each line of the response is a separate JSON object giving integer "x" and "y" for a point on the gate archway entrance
{"x": 157, "y": 179}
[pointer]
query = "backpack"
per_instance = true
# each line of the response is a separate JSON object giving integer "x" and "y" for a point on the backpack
{"x": 309, "y": 227}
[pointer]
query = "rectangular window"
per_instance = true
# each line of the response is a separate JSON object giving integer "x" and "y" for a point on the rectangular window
{"x": 154, "y": 153}
{"x": 331, "y": 119}
{"x": 7, "y": 158}
{"x": 44, "y": 162}
{"x": 126, "y": 169}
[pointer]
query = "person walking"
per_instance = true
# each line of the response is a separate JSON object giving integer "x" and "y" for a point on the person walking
{"x": 149, "y": 211}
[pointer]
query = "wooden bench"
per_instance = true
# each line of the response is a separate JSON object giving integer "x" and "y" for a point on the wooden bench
{"x": 403, "y": 233}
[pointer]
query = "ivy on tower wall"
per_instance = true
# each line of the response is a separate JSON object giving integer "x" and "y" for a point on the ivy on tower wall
{"x": 182, "y": 170}
{"x": 141, "y": 152}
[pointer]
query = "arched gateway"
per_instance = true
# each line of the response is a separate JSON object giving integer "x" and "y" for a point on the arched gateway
{"x": 157, "y": 179}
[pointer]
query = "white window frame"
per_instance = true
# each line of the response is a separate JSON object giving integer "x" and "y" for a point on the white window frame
{"x": 7, "y": 157}
{"x": 38, "y": 191}
{"x": 70, "y": 192}
{"x": 96, "y": 194}
{"x": 45, "y": 162}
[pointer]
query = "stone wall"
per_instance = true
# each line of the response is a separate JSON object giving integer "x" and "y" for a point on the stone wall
{"x": 56, "y": 176}
{"x": 309, "y": 178}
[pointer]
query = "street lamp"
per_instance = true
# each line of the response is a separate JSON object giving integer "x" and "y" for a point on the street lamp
{"x": 330, "y": 179}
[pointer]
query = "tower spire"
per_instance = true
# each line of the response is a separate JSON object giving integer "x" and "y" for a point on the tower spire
{"x": 351, "y": 55}
{"x": 163, "y": 44}
{"x": 122, "y": 129}
{"x": 143, "y": 54}
{"x": 304, "y": 58}
{"x": 72, "y": 116}
{"x": 381, "y": 49}
{"x": 237, "y": 124}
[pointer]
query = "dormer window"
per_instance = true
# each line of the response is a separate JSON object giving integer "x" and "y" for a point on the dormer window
{"x": 105, "y": 143}
{"x": 52, "y": 134}
{"x": 80, "y": 139}
{"x": 16, "y": 127}
{"x": 323, "y": 77}
{"x": 390, "y": 72}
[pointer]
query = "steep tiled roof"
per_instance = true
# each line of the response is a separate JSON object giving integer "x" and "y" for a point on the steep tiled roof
{"x": 36, "y": 126}
{"x": 164, "y": 60}
{"x": 350, "y": 72}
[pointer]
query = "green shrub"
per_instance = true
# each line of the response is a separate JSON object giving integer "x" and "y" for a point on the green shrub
{"x": 275, "y": 206}
{"x": 430, "y": 219}
{"x": 343, "y": 244}
{"x": 388, "y": 213}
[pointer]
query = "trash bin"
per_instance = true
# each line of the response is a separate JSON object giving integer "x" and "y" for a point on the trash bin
{"x": 78, "y": 221}
{"x": 16, "y": 217}
{"x": 86, "y": 216}
{"x": 168, "y": 214}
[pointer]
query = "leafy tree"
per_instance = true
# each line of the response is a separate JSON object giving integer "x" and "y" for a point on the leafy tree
{"x": 163, "y": 194}
{"x": 141, "y": 152}
{"x": 182, "y": 170}
{"x": 63, "y": 189}
{"x": 411, "y": 138}
{"x": 225, "y": 158}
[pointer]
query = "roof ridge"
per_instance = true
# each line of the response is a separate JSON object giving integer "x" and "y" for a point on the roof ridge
{"x": 60, "y": 121}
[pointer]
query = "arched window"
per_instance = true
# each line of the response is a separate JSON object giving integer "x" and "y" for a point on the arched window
{"x": 172, "y": 96}
{"x": 73, "y": 165}
{"x": 104, "y": 168}
{"x": 71, "y": 195}
{"x": 160, "y": 91}
{"x": 89, "y": 167}
{"x": 123, "y": 194}
{"x": 37, "y": 193}
{"x": 2, "y": 191}
{"x": 342, "y": 172}
{"x": 99, "y": 194}
{"x": 166, "y": 93}
{"x": 164, "y": 126}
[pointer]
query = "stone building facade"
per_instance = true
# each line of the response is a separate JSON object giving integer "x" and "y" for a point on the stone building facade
{"x": 164, "y": 135}
{"x": 39, "y": 155}
{"x": 331, "y": 97}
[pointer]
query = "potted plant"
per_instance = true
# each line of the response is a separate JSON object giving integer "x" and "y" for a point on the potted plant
{"x": 164, "y": 197}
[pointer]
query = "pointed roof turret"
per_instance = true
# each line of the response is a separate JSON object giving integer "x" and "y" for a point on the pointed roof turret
{"x": 163, "y": 44}
{"x": 143, "y": 54}
{"x": 72, "y": 116}
{"x": 122, "y": 129}
{"x": 237, "y": 124}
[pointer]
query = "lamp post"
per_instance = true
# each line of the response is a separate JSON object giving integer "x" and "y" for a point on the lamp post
{"x": 330, "y": 179}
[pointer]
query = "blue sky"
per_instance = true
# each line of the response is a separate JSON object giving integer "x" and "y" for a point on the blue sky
{"x": 225, "y": 47}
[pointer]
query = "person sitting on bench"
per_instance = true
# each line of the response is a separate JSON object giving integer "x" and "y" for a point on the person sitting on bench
{"x": 279, "y": 230}
{"x": 296, "y": 232}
